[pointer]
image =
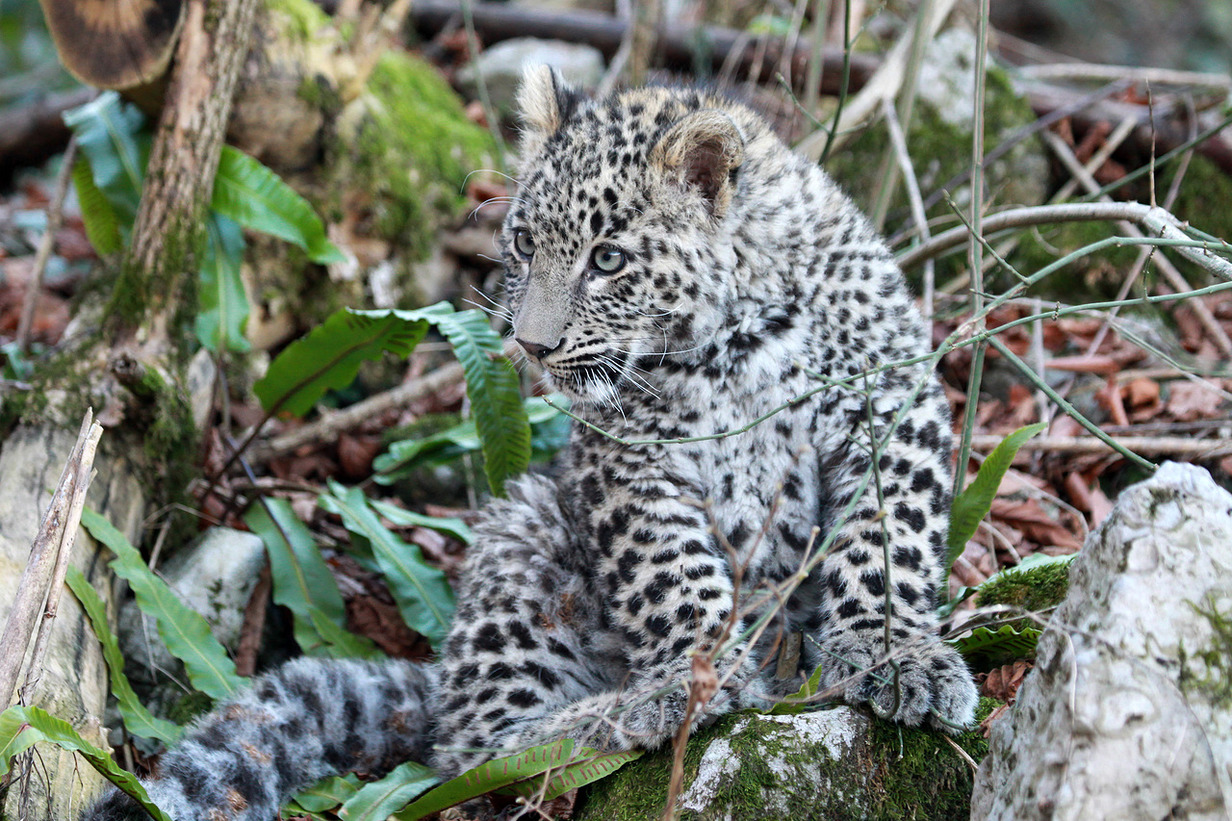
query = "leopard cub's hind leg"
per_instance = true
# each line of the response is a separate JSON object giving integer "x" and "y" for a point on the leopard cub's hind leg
{"x": 523, "y": 641}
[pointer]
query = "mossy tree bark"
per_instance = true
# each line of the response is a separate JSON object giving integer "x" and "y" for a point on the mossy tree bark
{"x": 136, "y": 371}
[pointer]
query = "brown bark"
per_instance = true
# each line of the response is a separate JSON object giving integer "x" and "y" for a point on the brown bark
{"x": 169, "y": 227}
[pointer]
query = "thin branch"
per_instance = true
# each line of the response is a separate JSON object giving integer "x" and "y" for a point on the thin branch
{"x": 1135, "y": 74}
{"x": 1165, "y": 266}
{"x": 55, "y": 216}
{"x": 327, "y": 428}
{"x": 976, "y": 249}
{"x": 1156, "y": 220}
{"x": 36, "y": 578}
{"x": 1160, "y": 446}
{"x": 899, "y": 141}
{"x": 66, "y": 537}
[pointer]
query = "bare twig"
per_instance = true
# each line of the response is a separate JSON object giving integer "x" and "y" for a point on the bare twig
{"x": 41, "y": 567}
{"x": 327, "y": 428}
{"x": 1155, "y": 220}
{"x": 899, "y": 142}
{"x": 975, "y": 251}
{"x": 1181, "y": 446}
{"x": 66, "y": 537}
{"x": 1105, "y": 73}
{"x": 55, "y": 216}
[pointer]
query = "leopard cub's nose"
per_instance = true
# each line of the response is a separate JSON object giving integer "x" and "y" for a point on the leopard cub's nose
{"x": 536, "y": 349}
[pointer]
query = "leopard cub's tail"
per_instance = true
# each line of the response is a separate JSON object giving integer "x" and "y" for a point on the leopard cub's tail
{"x": 308, "y": 719}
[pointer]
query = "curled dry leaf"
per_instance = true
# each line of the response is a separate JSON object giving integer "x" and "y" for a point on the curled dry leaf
{"x": 1003, "y": 682}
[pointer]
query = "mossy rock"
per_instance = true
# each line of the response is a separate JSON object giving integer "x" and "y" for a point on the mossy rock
{"x": 831, "y": 764}
{"x": 382, "y": 151}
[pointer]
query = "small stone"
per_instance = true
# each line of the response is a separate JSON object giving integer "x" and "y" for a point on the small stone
{"x": 214, "y": 577}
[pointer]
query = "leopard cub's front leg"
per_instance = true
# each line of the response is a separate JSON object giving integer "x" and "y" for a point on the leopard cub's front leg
{"x": 903, "y": 513}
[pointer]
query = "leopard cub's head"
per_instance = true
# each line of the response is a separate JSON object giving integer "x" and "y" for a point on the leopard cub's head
{"x": 618, "y": 247}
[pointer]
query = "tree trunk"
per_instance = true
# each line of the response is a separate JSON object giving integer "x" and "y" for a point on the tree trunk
{"x": 143, "y": 402}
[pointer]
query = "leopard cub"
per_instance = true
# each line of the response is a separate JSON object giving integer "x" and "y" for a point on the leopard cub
{"x": 753, "y": 454}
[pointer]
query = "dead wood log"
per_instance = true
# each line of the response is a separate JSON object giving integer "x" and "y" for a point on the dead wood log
{"x": 34, "y": 133}
{"x": 151, "y": 440}
{"x": 680, "y": 47}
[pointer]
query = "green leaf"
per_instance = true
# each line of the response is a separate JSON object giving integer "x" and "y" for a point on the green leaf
{"x": 450, "y": 526}
{"x": 184, "y": 631}
{"x": 986, "y": 648}
{"x": 422, "y": 592}
{"x": 329, "y": 356}
{"x": 328, "y": 793}
{"x": 257, "y": 198}
{"x": 549, "y": 432}
{"x": 377, "y": 800}
{"x": 23, "y": 727}
{"x": 137, "y": 718}
{"x": 302, "y": 582}
{"x": 102, "y": 224}
{"x": 945, "y": 609}
{"x": 111, "y": 135}
{"x": 799, "y": 702}
{"x": 340, "y": 643}
{"x": 590, "y": 767}
{"x": 489, "y": 776}
{"x": 972, "y": 505}
{"x": 494, "y": 389}
{"x": 223, "y": 311}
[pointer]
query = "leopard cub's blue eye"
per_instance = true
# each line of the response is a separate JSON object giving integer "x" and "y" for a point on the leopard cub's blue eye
{"x": 607, "y": 260}
{"x": 524, "y": 243}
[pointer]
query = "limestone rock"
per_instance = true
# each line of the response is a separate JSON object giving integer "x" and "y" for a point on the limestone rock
{"x": 501, "y": 67}
{"x": 1128, "y": 712}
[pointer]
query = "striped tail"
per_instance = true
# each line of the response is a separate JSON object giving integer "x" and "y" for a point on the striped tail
{"x": 306, "y": 720}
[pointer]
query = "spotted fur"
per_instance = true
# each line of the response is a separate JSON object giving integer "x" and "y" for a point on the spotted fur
{"x": 680, "y": 273}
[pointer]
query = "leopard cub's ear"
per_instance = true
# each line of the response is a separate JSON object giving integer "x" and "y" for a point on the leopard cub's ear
{"x": 702, "y": 151}
{"x": 545, "y": 102}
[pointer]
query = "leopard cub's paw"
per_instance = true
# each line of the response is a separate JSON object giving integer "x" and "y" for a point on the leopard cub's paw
{"x": 932, "y": 676}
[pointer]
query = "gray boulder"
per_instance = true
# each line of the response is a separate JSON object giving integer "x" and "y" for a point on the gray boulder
{"x": 1128, "y": 712}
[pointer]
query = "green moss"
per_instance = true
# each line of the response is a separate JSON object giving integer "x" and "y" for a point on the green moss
{"x": 1037, "y": 585}
{"x": 1208, "y": 670}
{"x": 890, "y": 772}
{"x": 188, "y": 707}
{"x": 1204, "y": 196}
{"x": 303, "y": 19}
{"x": 409, "y": 147}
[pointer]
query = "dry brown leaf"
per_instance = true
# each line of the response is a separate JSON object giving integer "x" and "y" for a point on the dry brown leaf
{"x": 356, "y": 452}
{"x": 1003, "y": 682}
{"x": 986, "y": 724}
{"x": 1029, "y": 517}
{"x": 1096, "y": 363}
{"x": 1189, "y": 401}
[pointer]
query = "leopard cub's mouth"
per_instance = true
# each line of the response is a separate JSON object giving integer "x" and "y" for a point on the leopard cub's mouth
{"x": 592, "y": 379}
